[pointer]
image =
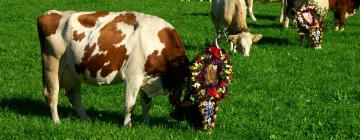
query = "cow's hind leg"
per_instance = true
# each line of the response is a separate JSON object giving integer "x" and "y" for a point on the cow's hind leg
{"x": 75, "y": 98}
{"x": 51, "y": 84}
{"x": 72, "y": 91}
{"x": 132, "y": 89}
{"x": 146, "y": 104}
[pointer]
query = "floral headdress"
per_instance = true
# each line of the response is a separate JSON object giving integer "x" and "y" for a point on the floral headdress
{"x": 211, "y": 72}
{"x": 309, "y": 19}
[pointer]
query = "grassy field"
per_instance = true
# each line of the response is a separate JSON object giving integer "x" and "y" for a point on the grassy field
{"x": 282, "y": 91}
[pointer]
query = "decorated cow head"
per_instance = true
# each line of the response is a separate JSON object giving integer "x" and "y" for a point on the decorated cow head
{"x": 211, "y": 72}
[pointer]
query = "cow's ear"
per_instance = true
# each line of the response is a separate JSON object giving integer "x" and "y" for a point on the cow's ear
{"x": 233, "y": 38}
{"x": 256, "y": 37}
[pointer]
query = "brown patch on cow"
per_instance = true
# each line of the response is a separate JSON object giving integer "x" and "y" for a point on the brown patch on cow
{"x": 89, "y": 20}
{"x": 155, "y": 64}
{"x": 114, "y": 57}
{"x": 48, "y": 24}
{"x": 171, "y": 64}
{"x": 78, "y": 37}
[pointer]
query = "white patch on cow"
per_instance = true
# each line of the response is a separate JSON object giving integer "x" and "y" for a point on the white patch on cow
{"x": 106, "y": 63}
{"x": 152, "y": 86}
{"x": 106, "y": 80}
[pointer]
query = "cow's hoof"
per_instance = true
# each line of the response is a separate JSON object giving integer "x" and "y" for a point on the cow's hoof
{"x": 128, "y": 125}
{"x": 56, "y": 121}
{"x": 318, "y": 48}
{"x": 177, "y": 116}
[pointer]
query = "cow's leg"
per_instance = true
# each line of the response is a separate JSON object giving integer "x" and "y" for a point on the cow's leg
{"x": 337, "y": 21}
{"x": 285, "y": 14}
{"x": 146, "y": 104}
{"x": 342, "y": 20}
{"x": 74, "y": 96}
{"x": 283, "y": 7}
{"x": 132, "y": 89}
{"x": 286, "y": 22}
{"x": 50, "y": 73}
{"x": 302, "y": 38}
{"x": 250, "y": 9}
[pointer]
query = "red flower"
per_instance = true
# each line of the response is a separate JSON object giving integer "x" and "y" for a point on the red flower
{"x": 223, "y": 83}
{"x": 198, "y": 58}
{"x": 227, "y": 57}
{"x": 215, "y": 51}
{"x": 212, "y": 92}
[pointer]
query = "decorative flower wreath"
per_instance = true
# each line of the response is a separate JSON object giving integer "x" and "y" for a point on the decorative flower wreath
{"x": 309, "y": 19}
{"x": 210, "y": 75}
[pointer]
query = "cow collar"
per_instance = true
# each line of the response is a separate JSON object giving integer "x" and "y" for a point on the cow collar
{"x": 210, "y": 75}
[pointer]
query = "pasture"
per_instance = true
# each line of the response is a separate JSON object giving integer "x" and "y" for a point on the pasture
{"x": 282, "y": 91}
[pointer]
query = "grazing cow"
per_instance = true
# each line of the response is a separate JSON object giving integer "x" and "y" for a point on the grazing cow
{"x": 104, "y": 48}
{"x": 249, "y": 4}
{"x": 288, "y": 9}
{"x": 342, "y": 9}
{"x": 230, "y": 15}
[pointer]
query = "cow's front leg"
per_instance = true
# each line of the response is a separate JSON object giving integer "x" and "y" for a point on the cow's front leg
{"x": 146, "y": 104}
{"x": 342, "y": 20}
{"x": 132, "y": 89}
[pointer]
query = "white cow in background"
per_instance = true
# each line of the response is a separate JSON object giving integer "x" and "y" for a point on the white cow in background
{"x": 230, "y": 15}
{"x": 249, "y": 4}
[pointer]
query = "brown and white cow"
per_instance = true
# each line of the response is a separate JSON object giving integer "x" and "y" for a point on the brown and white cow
{"x": 342, "y": 9}
{"x": 104, "y": 48}
{"x": 230, "y": 15}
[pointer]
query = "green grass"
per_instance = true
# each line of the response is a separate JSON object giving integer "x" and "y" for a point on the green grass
{"x": 282, "y": 91}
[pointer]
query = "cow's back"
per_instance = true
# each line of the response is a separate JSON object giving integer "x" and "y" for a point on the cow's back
{"x": 105, "y": 47}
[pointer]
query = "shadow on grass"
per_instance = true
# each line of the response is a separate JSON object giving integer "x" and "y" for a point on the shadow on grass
{"x": 266, "y": 40}
{"x": 31, "y": 107}
{"x": 267, "y": 26}
{"x": 268, "y": 17}
{"x": 197, "y": 14}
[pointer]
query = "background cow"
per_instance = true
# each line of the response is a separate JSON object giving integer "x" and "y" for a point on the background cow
{"x": 342, "y": 9}
{"x": 103, "y": 48}
{"x": 230, "y": 15}
{"x": 249, "y": 4}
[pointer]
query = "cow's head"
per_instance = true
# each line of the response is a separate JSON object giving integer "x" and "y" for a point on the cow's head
{"x": 175, "y": 77}
{"x": 244, "y": 40}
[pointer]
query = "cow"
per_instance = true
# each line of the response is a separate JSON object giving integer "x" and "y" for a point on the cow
{"x": 104, "y": 48}
{"x": 230, "y": 16}
{"x": 249, "y": 4}
{"x": 342, "y": 9}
